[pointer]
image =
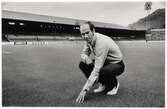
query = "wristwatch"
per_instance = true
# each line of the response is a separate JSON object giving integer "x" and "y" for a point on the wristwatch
{"x": 85, "y": 90}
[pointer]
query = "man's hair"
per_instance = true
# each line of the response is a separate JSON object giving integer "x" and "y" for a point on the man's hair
{"x": 91, "y": 25}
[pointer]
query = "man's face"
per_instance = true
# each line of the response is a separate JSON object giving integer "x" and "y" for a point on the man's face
{"x": 86, "y": 33}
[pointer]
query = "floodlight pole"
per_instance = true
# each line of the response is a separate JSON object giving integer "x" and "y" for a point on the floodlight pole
{"x": 148, "y": 9}
{"x": 148, "y": 25}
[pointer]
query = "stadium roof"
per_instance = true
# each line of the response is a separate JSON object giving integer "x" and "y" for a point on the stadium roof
{"x": 53, "y": 19}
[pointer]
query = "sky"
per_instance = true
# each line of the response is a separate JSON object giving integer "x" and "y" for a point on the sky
{"x": 121, "y": 13}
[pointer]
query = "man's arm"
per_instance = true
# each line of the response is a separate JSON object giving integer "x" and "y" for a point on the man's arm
{"x": 86, "y": 50}
{"x": 100, "y": 58}
{"x": 91, "y": 80}
{"x": 101, "y": 54}
{"x": 85, "y": 54}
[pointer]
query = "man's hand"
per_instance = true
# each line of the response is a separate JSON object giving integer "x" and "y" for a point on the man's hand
{"x": 81, "y": 97}
{"x": 83, "y": 58}
{"x": 86, "y": 59}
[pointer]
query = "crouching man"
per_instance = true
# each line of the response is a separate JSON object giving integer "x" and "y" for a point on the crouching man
{"x": 106, "y": 65}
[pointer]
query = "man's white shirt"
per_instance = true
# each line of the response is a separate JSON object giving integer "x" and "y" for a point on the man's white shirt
{"x": 103, "y": 49}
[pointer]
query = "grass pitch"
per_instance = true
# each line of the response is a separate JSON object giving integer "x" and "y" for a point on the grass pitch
{"x": 48, "y": 76}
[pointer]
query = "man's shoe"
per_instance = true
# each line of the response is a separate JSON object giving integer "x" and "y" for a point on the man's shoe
{"x": 114, "y": 90}
{"x": 101, "y": 88}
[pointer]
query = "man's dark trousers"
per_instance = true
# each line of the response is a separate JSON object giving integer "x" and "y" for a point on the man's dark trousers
{"x": 108, "y": 73}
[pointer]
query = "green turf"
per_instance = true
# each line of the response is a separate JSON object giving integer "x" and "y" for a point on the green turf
{"x": 48, "y": 75}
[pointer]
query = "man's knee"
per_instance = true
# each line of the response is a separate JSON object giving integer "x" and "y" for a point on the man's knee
{"x": 104, "y": 71}
{"x": 82, "y": 65}
{"x": 112, "y": 69}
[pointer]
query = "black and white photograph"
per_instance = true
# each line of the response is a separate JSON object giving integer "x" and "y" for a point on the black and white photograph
{"x": 83, "y": 53}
